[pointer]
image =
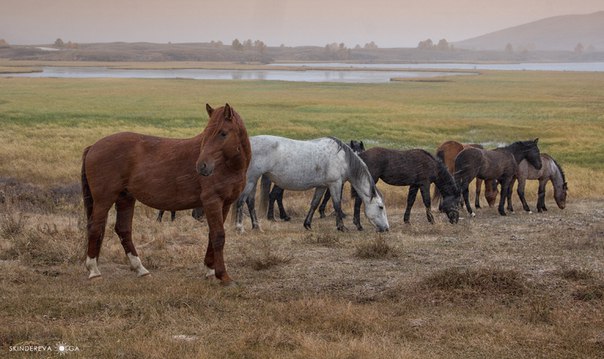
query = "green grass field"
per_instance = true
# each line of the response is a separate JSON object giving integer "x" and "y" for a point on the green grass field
{"x": 57, "y": 118}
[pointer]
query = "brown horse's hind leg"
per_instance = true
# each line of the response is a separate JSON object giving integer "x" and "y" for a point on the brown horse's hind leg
{"x": 123, "y": 227}
{"x": 96, "y": 232}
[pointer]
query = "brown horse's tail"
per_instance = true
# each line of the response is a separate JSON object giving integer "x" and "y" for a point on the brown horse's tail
{"x": 86, "y": 194}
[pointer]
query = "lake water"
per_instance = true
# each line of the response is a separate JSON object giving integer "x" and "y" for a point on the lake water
{"x": 368, "y": 76}
{"x": 528, "y": 66}
{"x": 363, "y": 73}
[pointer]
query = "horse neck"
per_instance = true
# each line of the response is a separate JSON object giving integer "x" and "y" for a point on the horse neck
{"x": 361, "y": 179}
{"x": 516, "y": 151}
{"x": 445, "y": 181}
{"x": 556, "y": 177}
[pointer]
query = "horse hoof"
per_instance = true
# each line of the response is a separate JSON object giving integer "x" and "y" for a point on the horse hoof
{"x": 94, "y": 276}
{"x": 210, "y": 273}
{"x": 473, "y": 214}
{"x": 530, "y": 212}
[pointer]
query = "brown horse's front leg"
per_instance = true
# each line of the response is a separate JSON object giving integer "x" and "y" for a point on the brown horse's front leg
{"x": 214, "y": 255}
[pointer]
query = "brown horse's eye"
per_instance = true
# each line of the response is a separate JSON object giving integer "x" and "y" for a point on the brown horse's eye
{"x": 223, "y": 134}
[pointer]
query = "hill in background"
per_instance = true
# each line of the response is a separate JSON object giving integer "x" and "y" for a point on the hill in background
{"x": 559, "y": 33}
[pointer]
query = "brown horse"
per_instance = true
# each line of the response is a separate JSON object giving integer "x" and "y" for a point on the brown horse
{"x": 499, "y": 164}
{"x": 447, "y": 152}
{"x": 206, "y": 171}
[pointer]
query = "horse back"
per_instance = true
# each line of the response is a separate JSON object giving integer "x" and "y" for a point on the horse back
{"x": 155, "y": 170}
{"x": 447, "y": 152}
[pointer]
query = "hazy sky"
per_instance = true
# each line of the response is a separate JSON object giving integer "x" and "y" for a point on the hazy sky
{"x": 390, "y": 23}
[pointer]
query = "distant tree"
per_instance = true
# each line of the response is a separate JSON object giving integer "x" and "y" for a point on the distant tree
{"x": 216, "y": 43}
{"x": 59, "y": 43}
{"x": 590, "y": 48}
{"x": 443, "y": 45}
{"x": 357, "y": 47}
{"x": 236, "y": 44}
{"x": 371, "y": 45}
{"x": 71, "y": 45}
{"x": 248, "y": 44}
{"x": 260, "y": 46}
{"x": 579, "y": 48}
{"x": 3, "y": 43}
{"x": 425, "y": 45}
{"x": 509, "y": 48}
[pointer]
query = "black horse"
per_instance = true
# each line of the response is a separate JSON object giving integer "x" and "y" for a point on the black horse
{"x": 414, "y": 168}
{"x": 499, "y": 164}
{"x": 276, "y": 193}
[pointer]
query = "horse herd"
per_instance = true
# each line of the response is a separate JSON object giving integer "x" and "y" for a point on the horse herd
{"x": 221, "y": 167}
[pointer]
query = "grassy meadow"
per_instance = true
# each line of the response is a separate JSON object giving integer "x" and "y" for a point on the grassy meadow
{"x": 517, "y": 286}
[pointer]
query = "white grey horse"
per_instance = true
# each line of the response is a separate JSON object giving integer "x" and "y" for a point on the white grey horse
{"x": 323, "y": 163}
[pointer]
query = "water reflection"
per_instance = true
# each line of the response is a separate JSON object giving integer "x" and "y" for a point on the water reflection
{"x": 358, "y": 76}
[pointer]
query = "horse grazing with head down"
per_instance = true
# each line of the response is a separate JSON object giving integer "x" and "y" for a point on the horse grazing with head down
{"x": 447, "y": 152}
{"x": 414, "y": 168}
{"x": 206, "y": 171}
{"x": 323, "y": 163}
{"x": 276, "y": 194}
{"x": 550, "y": 171}
{"x": 499, "y": 164}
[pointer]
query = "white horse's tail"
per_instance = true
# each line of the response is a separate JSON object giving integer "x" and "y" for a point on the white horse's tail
{"x": 265, "y": 187}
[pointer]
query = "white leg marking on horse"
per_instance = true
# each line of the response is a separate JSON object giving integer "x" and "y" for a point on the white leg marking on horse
{"x": 530, "y": 212}
{"x": 137, "y": 266}
{"x": 473, "y": 214}
{"x": 209, "y": 272}
{"x": 91, "y": 265}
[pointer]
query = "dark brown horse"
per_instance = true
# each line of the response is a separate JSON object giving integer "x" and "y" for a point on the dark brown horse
{"x": 206, "y": 171}
{"x": 447, "y": 152}
{"x": 499, "y": 164}
{"x": 414, "y": 168}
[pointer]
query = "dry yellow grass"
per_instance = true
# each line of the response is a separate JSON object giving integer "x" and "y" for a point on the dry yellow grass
{"x": 520, "y": 286}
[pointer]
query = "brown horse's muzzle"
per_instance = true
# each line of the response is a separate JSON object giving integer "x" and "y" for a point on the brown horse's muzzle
{"x": 205, "y": 169}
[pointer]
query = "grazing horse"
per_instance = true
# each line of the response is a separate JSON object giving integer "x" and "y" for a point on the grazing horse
{"x": 499, "y": 164}
{"x": 276, "y": 193}
{"x": 323, "y": 163}
{"x": 447, "y": 152}
{"x": 206, "y": 171}
{"x": 414, "y": 168}
{"x": 550, "y": 171}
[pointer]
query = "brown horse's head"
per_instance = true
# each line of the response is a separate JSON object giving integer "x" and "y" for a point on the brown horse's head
{"x": 224, "y": 142}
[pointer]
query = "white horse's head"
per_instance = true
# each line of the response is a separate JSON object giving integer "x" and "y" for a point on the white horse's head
{"x": 376, "y": 212}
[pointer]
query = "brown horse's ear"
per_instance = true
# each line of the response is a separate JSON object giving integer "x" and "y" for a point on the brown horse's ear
{"x": 209, "y": 109}
{"x": 228, "y": 112}
{"x": 536, "y": 139}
